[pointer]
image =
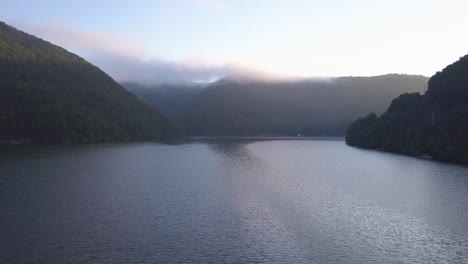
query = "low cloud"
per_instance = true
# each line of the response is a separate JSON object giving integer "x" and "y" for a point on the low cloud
{"x": 154, "y": 71}
{"x": 129, "y": 61}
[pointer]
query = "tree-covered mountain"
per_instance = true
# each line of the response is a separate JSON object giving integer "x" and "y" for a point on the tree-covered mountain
{"x": 434, "y": 124}
{"x": 49, "y": 95}
{"x": 250, "y": 108}
{"x": 171, "y": 100}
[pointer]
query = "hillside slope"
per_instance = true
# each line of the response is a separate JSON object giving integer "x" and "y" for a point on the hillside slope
{"x": 49, "y": 95}
{"x": 434, "y": 124}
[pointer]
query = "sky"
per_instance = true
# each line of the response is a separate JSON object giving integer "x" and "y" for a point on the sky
{"x": 160, "y": 41}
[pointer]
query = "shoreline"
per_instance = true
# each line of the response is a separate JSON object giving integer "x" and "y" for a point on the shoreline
{"x": 266, "y": 138}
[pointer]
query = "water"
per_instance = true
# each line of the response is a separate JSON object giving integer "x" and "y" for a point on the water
{"x": 229, "y": 202}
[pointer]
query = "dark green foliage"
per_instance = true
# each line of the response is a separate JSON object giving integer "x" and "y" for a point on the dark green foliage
{"x": 435, "y": 124}
{"x": 49, "y": 95}
{"x": 170, "y": 99}
{"x": 400, "y": 123}
{"x": 360, "y": 131}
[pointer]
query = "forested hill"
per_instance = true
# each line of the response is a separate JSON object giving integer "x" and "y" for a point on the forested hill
{"x": 252, "y": 108}
{"x": 171, "y": 100}
{"x": 49, "y": 95}
{"x": 434, "y": 124}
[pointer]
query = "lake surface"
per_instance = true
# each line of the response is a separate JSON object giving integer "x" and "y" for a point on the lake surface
{"x": 305, "y": 201}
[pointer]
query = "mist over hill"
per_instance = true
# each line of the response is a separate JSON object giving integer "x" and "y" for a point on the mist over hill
{"x": 312, "y": 107}
{"x": 170, "y": 99}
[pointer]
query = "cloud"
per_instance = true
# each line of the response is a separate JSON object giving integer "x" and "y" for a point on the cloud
{"x": 156, "y": 71}
{"x": 153, "y": 71}
{"x": 84, "y": 41}
{"x": 129, "y": 60}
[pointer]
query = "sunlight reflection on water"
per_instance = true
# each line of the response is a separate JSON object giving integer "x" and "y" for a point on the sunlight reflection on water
{"x": 230, "y": 202}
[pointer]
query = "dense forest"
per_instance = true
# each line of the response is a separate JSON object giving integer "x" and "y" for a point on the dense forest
{"x": 49, "y": 95}
{"x": 172, "y": 100}
{"x": 433, "y": 124}
{"x": 307, "y": 107}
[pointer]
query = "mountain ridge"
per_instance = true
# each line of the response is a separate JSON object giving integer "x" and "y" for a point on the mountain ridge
{"x": 230, "y": 107}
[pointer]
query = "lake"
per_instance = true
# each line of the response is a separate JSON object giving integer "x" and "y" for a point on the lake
{"x": 229, "y": 201}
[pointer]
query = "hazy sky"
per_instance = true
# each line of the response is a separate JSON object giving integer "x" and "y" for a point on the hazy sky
{"x": 168, "y": 40}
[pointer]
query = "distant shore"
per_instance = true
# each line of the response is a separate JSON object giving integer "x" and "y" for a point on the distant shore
{"x": 267, "y": 138}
